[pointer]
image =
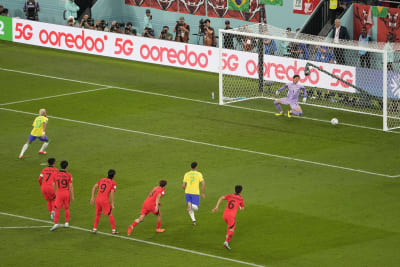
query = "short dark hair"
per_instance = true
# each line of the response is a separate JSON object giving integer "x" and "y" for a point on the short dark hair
{"x": 227, "y": 22}
{"x": 129, "y": 24}
{"x": 193, "y": 165}
{"x": 163, "y": 183}
{"x": 147, "y": 10}
{"x": 238, "y": 189}
{"x": 165, "y": 27}
{"x": 51, "y": 161}
{"x": 111, "y": 173}
{"x": 207, "y": 20}
{"x": 289, "y": 29}
{"x": 296, "y": 76}
{"x": 64, "y": 164}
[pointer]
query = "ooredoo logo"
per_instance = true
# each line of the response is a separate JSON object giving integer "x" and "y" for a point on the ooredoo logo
{"x": 78, "y": 41}
{"x": 172, "y": 55}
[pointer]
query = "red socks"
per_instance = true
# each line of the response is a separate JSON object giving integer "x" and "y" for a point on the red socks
{"x": 112, "y": 222}
{"x": 66, "y": 215}
{"x": 96, "y": 221}
{"x": 50, "y": 205}
{"x": 229, "y": 235}
{"x": 158, "y": 225}
{"x": 56, "y": 216}
{"x": 134, "y": 224}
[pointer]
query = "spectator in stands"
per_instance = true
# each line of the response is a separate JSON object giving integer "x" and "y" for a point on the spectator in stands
{"x": 71, "y": 9}
{"x": 228, "y": 38}
{"x": 101, "y": 25}
{"x": 365, "y": 58}
{"x": 283, "y": 45}
{"x": 165, "y": 34}
{"x": 71, "y": 21}
{"x": 115, "y": 27}
{"x": 390, "y": 52}
{"x": 4, "y": 12}
{"x": 323, "y": 54}
{"x": 148, "y": 32}
{"x": 299, "y": 50}
{"x": 182, "y": 31}
{"x": 147, "y": 20}
{"x": 209, "y": 38}
{"x": 247, "y": 41}
{"x": 31, "y": 9}
{"x": 86, "y": 22}
{"x": 1, "y": 9}
{"x": 270, "y": 46}
{"x": 339, "y": 32}
{"x": 130, "y": 28}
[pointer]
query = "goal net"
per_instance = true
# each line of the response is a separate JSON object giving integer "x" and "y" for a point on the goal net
{"x": 361, "y": 77}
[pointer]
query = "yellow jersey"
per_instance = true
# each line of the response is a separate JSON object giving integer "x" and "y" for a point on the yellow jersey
{"x": 193, "y": 180}
{"x": 38, "y": 125}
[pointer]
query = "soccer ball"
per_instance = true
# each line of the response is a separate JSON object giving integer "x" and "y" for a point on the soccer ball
{"x": 334, "y": 121}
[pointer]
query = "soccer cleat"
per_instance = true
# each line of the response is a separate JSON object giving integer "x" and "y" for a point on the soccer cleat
{"x": 55, "y": 227}
{"x": 42, "y": 152}
{"x": 52, "y": 215}
{"x": 226, "y": 245}
{"x": 279, "y": 114}
{"x": 289, "y": 114}
{"x": 94, "y": 231}
{"x": 66, "y": 225}
{"x": 129, "y": 230}
{"x": 20, "y": 156}
{"x": 114, "y": 232}
{"x": 159, "y": 230}
{"x": 194, "y": 223}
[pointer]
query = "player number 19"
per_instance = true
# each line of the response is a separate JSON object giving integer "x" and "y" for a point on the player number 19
{"x": 1, "y": 27}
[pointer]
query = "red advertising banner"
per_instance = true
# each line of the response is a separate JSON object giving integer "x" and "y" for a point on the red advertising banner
{"x": 193, "y": 7}
{"x": 254, "y": 14}
{"x": 362, "y": 17}
{"x": 305, "y": 7}
{"x": 219, "y": 9}
{"x": 389, "y": 26}
{"x": 167, "y": 5}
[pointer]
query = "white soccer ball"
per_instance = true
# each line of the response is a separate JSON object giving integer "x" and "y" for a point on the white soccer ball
{"x": 334, "y": 121}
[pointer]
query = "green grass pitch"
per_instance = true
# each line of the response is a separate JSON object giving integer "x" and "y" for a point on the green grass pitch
{"x": 315, "y": 194}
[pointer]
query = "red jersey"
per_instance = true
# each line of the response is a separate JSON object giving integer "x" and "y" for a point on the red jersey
{"x": 151, "y": 199}
{"x": 233, "y": 203}
{"x": 46, "y": 177}
{"x": 62, "y": 181}
{"x": 106, "y": 185}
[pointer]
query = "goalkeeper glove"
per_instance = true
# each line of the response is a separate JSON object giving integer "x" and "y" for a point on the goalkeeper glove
{"x": 304, "y": 99}
{"x": 277, "y": 92}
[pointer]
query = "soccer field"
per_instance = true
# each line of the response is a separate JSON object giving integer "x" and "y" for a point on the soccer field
{"x": 315, "y": 194}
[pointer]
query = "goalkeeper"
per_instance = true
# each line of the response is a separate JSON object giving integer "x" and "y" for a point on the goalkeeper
{"x": 292, "y": 98}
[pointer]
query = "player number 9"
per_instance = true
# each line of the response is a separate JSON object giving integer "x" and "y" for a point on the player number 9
{"x": 103, "y": 188}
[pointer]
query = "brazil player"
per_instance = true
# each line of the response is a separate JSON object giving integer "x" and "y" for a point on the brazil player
{"x": 151, "y": 204}
{"x": 106, "y": 187}
{"x": 234, "y": 201}
{"x": 46, "y": 180}
{"x": 38, "y": 132}
{"x": 292, "y": 98}
{"x": 64, "y": 194}
{"x": 191, "y": 184}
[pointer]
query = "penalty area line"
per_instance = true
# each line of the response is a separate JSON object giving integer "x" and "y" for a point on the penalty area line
{"x": 23, "y": 227}
{"x": 137, "y": 240}
{"x": 210, "y": 144}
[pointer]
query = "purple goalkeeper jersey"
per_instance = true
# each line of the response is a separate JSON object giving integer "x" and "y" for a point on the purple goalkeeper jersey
{"x": 293, "y": 91}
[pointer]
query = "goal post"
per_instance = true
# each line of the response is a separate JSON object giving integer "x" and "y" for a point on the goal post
{"x": 349, "y": 76}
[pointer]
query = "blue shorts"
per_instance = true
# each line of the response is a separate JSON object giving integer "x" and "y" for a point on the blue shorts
{"x": 194, "y": 199}
{"x": 32, "y": 138}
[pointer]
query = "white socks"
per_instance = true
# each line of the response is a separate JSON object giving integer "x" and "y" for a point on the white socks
{"x": 44, "y": 146}
{"x": 191, "y": 213}
{"x": 195, "y": 207}
{"x": 24, "y": 148}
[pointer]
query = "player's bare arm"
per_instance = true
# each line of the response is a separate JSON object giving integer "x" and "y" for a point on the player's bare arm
{"x": 44, "y": 129}
{"x": 112, "y": 199}
{"x": 203, "y": 189}
{"x": 184, "y": 185}
{"x": 157, "y": 203}
{"x": 93, "y": 192}
{"x": 71, "y": 191}
{"x": 218, "y": 203}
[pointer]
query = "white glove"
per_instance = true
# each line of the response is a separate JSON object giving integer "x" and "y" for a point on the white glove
{"x": 304, "y": 99}
{"x": 277, "y": 92}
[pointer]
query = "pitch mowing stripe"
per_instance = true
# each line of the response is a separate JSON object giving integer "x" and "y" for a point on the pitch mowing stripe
{"x": 210, "y": 144}
{"x": 46, "y": 97}
{"x": 185, "y": 98}
{"x": 138, "y": 240}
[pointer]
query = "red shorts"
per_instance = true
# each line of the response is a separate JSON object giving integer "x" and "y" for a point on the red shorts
{"x": 103, "y": 206}
{"x": 147, "y": 209}
{"x": 230, "y": 221}
{"x": 62, "y": 199}
{"x": 48, "y": 193}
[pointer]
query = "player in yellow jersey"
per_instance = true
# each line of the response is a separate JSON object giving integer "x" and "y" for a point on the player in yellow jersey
{"x": 191, "y": 184}
{"x": 38, "y": 131}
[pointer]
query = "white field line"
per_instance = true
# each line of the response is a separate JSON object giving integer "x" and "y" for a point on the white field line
{"x": 22, "y": 227}
{"x": 209, "y": 144}
{"x": 53, "y": 96}
{"x": 183, "y": 98}
{"x": 139, "y": 240}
